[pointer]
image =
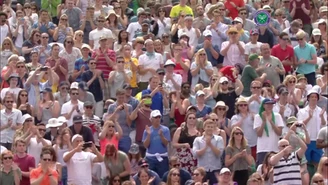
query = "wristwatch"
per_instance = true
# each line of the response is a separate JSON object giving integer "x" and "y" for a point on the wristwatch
{"x": 306, "y": 61}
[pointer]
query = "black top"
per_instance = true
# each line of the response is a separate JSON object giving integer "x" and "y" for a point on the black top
{"x": 186, "y": 138}
{"x": 85, "y": 132}
{"x": 229, "y": 99}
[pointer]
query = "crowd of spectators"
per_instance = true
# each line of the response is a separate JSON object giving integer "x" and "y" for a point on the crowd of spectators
{"x": 152, "y": 92}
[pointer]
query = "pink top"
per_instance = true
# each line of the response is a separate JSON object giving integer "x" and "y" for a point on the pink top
{"x": 105, "y": 141}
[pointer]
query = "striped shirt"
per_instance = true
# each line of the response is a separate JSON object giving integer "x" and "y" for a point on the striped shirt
{"x": 288, "y": 171}
{"x": 101, "y": 62}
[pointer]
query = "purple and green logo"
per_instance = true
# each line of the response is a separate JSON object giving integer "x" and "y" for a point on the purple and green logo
{"x": 262, "y": 18}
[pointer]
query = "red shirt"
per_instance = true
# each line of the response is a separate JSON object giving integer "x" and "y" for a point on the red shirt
{"x": 282, "y": 54}
{"x": 25, "y": 164}
{"x": 299, "y": 13}
{"x": 101, "y": 62}
{"x": 63, "y": 63}
{"x": 233, "y": 12}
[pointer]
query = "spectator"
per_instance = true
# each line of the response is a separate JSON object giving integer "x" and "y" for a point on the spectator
{"x": 323, "y": 169}
{"x": 80, "y": 170}
{"x": 253, "y": 47}
{"x": 63, "y": 30}
{"x": 81, "y": 64}
{"x": 10, "y": 172}
{"x": 145, "y": 166}
{"x": 322, "y": 141}
{"x": 88, "y": 24}
{"x": 155, "y": 139}
{"x": 73, "y": 14}
{"x": 184, "y": 174}
{"x": 53, "y": 125}
{"x": 109, "y": 135}
{"x": 99, "y": 33}
{"x": 57, "y": 63}
{"x": 62, "y": 96}
{"x": 44, "y": 25}
{"x": 80, "y": 129}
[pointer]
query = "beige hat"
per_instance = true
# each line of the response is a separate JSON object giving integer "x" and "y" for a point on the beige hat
{"x": 241, "y": 100}
{"x": 323, "y": 9}
{"x": 238, "y": 19}
{"x": 221, "y": 104}
{"x": 322, "y": 21}
{"x": 232, "y": 29}
{"x": 86, "y": 46}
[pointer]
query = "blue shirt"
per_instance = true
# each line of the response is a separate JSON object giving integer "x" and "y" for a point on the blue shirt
{"x": 157, "y": 100}
{"x": 305, "y": 53}
{"x": 77, "y": 66}
{"x": 94, "y": 87}
{"x": 32, "y": 95}
{"x": 210, "y": 57}
{"x": 156, "y": 145}
{"x": 206, "y": 110}
{"x": 151, "y": 173}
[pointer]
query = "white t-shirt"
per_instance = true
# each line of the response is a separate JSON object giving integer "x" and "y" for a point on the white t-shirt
{"x": 15, "y": 91}
{"x": 67, "y": 107}
{"x": 96, "y": 34}
{"x": 2, "y": 149}
{"x": 71, "y": 58}
{"x": 253, "y": 48}
{"x": 133, "y": 28}
{"x": 34, "y": 149}
{"x": 153, "y": 62}
{"x": 4, "y": 30}
{"x": 79, "y": 168}
{"x": 233, "y": 55}
{"x": 177, "y": 78}
{"x": 268, "y": 143}
{"x": 193, "y": 39}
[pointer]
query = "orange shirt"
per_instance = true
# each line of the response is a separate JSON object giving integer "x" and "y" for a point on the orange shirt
{"x": 35, "y": 173}
{"x": 103, "y": 143}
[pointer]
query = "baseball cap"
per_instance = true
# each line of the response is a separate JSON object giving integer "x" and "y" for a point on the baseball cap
{"x": 85, "y": 46}
{"x": 134, "y": 149}
{"x": 74, "y": 85}
{"x": 266, "y": 7}
{"x": 268, "y": 101}
{"x": 192, "y": 107}
{"x": 88, "y": 103}
{"x": 160, "y": 70}
{"x": 291, "y": 119}
{"x": 199, "y": 93}
{"x": 103, "y": 37}
{"x": 62, "y": 119}
{"x": 224, "y": 170}
{"x": 146, "y": 21}
{"x": 316, "y": 31}
{"x": 77, "y": 119}
{"x": 53, "y": 123}
{"x": 252, "y": 57}
{"x": 207, "y": 33}
{"x": 254, "y": 31}
{"x": 223, "y": 79}
{"x": 48, "y": 89}
{"x": 26, "y": 116}
{"x": 238, "y": 19}
{"x": 155, "y": 113}
{"x": 143, "y": 162}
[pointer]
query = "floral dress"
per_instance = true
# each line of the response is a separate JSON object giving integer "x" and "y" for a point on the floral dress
{"x": 187, "y": 160}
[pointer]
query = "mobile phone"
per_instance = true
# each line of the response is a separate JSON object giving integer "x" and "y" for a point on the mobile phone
{"x": 87, "y": 144}
{"x": 43, "y": 69}
{"x": 148, "y": 101}
{"x": 161, "y": 84}
{"x": 298, "y": 125}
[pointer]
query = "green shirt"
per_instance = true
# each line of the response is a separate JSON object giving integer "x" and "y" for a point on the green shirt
{"x": 249, "y": 74}
{"x": 51, "y": 6}
{"x": 8, "y": 178}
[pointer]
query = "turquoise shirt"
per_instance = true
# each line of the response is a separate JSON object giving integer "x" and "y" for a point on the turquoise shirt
{"x": 306, "y": 53}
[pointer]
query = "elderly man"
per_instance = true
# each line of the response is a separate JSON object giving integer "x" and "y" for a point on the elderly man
{"x": 286, "y": 163}
{"x": 270, "y": 65}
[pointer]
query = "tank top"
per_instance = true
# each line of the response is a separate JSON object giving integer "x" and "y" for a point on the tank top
{"x": 103, "y": 143}
{"x": 46, "y": 114}
{"x": 179, "y": 70}
{"x": 179, "y": 119}
{"x": 186, "y": 138}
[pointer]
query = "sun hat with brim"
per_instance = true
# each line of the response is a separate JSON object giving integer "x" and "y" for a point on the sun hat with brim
{"x": 62, "y": 119}
{"x": 312, "y": 91}
{"x": 316, "y": 31}
{"x": 103, "y": 38}
{"x": 85, "y": 46}
{"x": 183, "y": 34}
{"x": 267, "y": 7}
{"x": 134, "y": 149}
{"x": 221, "y": 104}
{"x": 111, "y": 12}
{"x": 224, "y": 170}
{"x": 169, "y": 63}
{"x": 26, "y": 116}
{"x": 47, "y": 90}
{"x": 143, "y": 162}
{"x": 241, "y": 100}
{"x": 291, "y": 120}
{"x": 87, "y": 103}
{"x": 191, "y": 107}
{"x": 13, "y": 75}
{"x": 323, "y": 9}
{"x": 322, "y": 21}
{"x": 53, "y": 123}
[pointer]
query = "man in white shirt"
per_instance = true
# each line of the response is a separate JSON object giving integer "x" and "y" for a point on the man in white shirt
{"x": 4, "y": 28}
{"x": 36, "y": 142}
{"x": 100, "y": 31}
{"x": 74, "y": 106}
{"x": 171, "y": 78}
{"x": 148, "y": 64}
{"x": 10, "y": 121}
{"x": 253, "y": 47}
{"x": 193, "y": 33}
{"x": 314, "y": 118}
{"x": 268, "y": 125}
{"x": 135, "y": 27}
{"x": 79, "y": 163}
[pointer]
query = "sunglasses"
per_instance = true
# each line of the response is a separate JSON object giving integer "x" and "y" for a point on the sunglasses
{"x": 65, "y": 88}
{"x": 176, "y": 165}
{"x": 9, "y": 101}
{"x": 175, "y": 174}
{"x": 46, "y": 159}
{"x": 319, "y": 181}
{"x": 284, "y": 146}
{"x": 23, "y": 95}
{"x": 292, "y": 82}
{"x": 88, "y": 107}
{"x": 233, "y": 33}
{"x": 242, "y": 105}
{"x": 145, "y": 166}
{"x": 120, "y": 62}
{"x": 111, "y": 126}
{"x": 239, "y": 133}
{"x": 101, "y": 20}
{"x": 63, "y": 19}
{"x": 6, "y": 44}
{"x": 215, "y": 120}
{"x": 285, "y": 39}
{"x": 256, "y": 87}
{"x": 6, "y": 158}
{"x": 299, "y": 39}
{"x": 37, "y": 35}
{"x": 161, "y": 74}
{"x": 27, "y": 7}
{"x": 69, "y": 42}
{"x": 326, "y": 164}
{"x": 42, "y": 130}
{"x": 224, "y": 83}
{"x": 75, "y": 93}
{"x": 221, "y": 109}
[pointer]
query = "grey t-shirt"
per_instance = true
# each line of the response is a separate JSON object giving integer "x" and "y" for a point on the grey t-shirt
{"x": 270, "y": 69}
{"x": 74, "y": 17}
{"x": 323, "y": 135}
{"x": 88, "y": 97}
{"x": 121, "y": 117}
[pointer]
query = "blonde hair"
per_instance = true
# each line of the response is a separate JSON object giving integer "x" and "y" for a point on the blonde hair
{"x": 232, "y": 143}
{"x": 316, "y": 175}
{"x": 12, "y": 46}
{"x": 287, "y": 78}
{"x": 13, "y": 57}
{"x": 76, "y": 33}
{"x": 169, "y": 181}
{"x": 64, "y": 15}
{"x": 198, "y": 87}
{"x": 321, "y": 165}
{"x": 197, "y": 56}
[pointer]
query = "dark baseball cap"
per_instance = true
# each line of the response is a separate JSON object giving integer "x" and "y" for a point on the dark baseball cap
{"x": 88, "y": 103}
{"x": 143, "y": 162}
{"x": 127, "y": 86}
{"x": 77, "y": 119}
{"x": 83, "y": 85}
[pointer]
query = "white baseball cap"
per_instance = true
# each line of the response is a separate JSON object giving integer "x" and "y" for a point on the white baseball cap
{"x": 155, "y": 113}
{"x": 207, "y": 33}
{"x": 223, "y": 79}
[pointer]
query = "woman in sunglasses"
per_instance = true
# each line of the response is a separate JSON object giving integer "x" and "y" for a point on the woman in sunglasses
{"x": 323, "y": 168}
{"x": 9, "y": 172}
{"x": 238, "y": 156}
{"x": 173, "y": 177}
{"x": 111, "y": 133}
{"x": 24, "y": 132}
{"x": 115, "y": 180}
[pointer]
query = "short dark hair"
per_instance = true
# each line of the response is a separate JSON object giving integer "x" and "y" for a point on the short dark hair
{"x": 322, "y": 68}
{"x": 44, "y": 152}
{"x": 54, "y": 45}
{"x": 242, "y": 9}
{"x": 4, "y": 14}
{"x": 282, "y": 34}
{"x": 43, "y": 10}
{"x": 91, "y": 59}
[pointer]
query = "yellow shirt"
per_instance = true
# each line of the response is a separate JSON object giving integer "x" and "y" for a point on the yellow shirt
{"x": 127, "y": 65}
{"x": 175, "y": 11}
{"x": 53, "y": 87}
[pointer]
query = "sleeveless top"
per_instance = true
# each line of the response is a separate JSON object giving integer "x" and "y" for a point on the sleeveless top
{"x": 179, "y": 119}
{"x": 186, "y": 138}
{"x": 179, "y": 70}
{"x": 46, "y": 114}
{"x": 103, "y": 143}
{"x": 62, "y": 35}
